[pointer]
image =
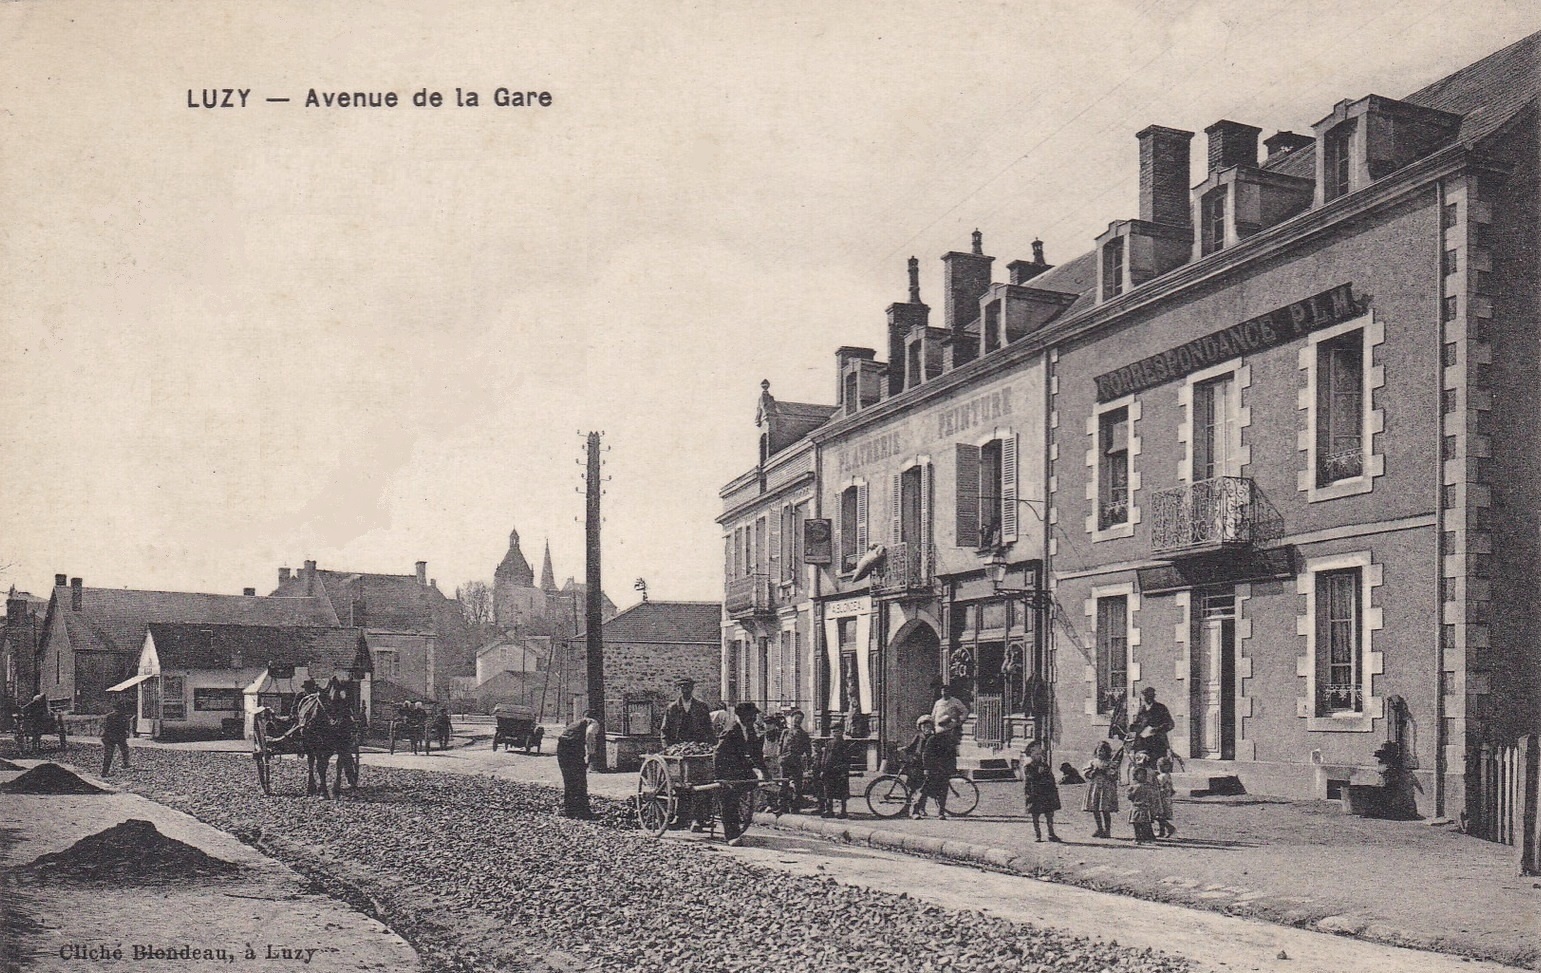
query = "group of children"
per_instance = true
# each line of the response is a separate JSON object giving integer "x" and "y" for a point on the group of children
{"x": 820, "y": 767}
{"x": 1149, "y": 793}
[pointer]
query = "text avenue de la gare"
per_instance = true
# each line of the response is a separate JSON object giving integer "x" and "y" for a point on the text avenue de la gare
{"x": 322, "y": 98}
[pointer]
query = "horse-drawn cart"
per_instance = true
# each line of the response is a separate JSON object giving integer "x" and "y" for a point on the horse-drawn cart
{"x": 517, "y": 728}
{"x": 667, "y": 779}
{"x": 324, "y": 724}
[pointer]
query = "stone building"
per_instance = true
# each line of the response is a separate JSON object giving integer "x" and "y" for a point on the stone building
{"x": 1267, "y": 449}
{"x": 646, "y": 648}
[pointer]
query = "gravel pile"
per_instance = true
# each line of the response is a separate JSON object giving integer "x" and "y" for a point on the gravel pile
{"x": 476, "y": 870}
{"x": 49, "y": 779}
{"x": 133, "y": 852}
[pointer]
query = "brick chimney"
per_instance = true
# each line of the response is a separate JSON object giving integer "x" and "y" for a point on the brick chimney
{"x": 61, "y": 580}
{"x": 902, "y": 319}
{"x": 1164, "y": 176}
{"x": 283, "y": 575}
{"x": 966, "y": 278}
{"x": 422, "y": 573}
{"x": 1232, "y": 144}
{"x": 76, "y": 594}
{"x": 310, "y": 577}
{"x": 1022, "y": 271}
{"x": 1281, "y": 142}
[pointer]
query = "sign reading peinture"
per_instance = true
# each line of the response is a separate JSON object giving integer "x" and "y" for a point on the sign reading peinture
{"x": 1277, "y": 327}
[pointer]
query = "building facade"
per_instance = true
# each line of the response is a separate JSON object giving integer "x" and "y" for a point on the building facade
{"x": 1273, "y": 459}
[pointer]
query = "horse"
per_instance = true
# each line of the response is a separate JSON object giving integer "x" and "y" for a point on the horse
{"x": 322, "y": 726}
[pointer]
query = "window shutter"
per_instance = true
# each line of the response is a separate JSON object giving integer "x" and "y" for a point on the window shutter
{"x": 966, "y": 533}
{"x": 1009, "y": 490}
{"x": 861, "y": 519}
{"x": 926, "y": 486}
{"x": 727, "y": 556}
{"x": 773, "y": 549}
{"x": 897, "y": 485}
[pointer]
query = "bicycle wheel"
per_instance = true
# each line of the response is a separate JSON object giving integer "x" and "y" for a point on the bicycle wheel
{"x": 962, "y": 795}
{"x": 888, "y": 796}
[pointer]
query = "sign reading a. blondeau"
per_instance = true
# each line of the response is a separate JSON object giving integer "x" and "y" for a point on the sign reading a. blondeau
{"x": 1277, "y": 327}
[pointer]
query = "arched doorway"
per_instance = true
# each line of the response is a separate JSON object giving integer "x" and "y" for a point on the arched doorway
{"x": 916, "y": 653}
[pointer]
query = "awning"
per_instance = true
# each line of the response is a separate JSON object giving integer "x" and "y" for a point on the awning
{"x": 131, "y": 683}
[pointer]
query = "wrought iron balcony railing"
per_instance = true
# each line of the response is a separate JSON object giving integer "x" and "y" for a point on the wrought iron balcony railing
{"x": 1209, "y": 515}
{"x": 907, "y": 568}
{"x": 749, "y": 595}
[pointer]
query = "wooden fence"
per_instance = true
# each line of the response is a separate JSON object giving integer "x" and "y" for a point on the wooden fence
{"x": 1503, "y": 799}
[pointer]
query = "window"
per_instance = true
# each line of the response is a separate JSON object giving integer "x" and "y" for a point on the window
{"x": 1113, "y": 474}
{"x": 1214, "y": 429}
{"x": 1113, "y": 268}
{"x": 849, "y": 672}
{"x": 1340, "y": 408}
{"x": 788, "y": 547}
{"x": 1452, "y": 308}
{"x": 987, "y": 493}
{"x": 761, "y": 549}
{"x": 1112, "y": 652}
{"x": 218, "y": 700}
{"x": 915, "y": 376}
{"x": 1212, "y": 213}
{"x": 1337, "y": 158}
{"x": 853, "y": 525}
{"x": 1339, "y": 679}
{"x": 387, "y": 663}
{"x": 174, "y": 698}
{"x": 990, "y": 494}
{"x": 1451, "y": 216}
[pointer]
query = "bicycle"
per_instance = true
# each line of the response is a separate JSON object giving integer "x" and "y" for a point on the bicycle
{"x": 889, "y": 796}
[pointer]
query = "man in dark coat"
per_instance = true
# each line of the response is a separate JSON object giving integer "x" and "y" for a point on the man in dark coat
{"x": 114, "y": 738}
{"x": 687, "y": 720}
{"x": 572, "y": 761}
{"x": 939, "y": 754}
{"x": 796, "y": 752}
{"x": 738, "y": 762}
{"x": 1150, "y": 726}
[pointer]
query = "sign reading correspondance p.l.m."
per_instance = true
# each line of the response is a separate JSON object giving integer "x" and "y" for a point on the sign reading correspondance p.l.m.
{"x": 1277, "y": 327}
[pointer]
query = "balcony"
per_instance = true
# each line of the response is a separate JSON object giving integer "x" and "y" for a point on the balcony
{"x": 907, "y": 569}
{"x": 1207, "y": 516}
{"x": 749, "y": 595}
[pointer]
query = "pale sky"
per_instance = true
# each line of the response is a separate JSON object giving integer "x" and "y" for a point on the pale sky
{"x": 237, "y": 339}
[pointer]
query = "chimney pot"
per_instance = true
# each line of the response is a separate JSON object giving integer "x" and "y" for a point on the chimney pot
{"x": 61, "y": 580}
{"x": 1038, "y": 252}
{"x": 1232, "y": 144}
{"x": 914, "y": 267}
{"x": 979, "y": 243}
{"x": 422, "y": 572}
{"x": 249, "y": 592}
{"x": 1164, "y": 176}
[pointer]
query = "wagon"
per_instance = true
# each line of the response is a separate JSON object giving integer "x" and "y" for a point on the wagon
{"x": 516, "y": 728}
{"x": 665, "y": 779}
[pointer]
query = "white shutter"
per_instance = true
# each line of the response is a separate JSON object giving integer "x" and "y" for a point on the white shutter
{"x": 861, "y": 519}
{"x": 927, "y": 484}
{"x": 1009, "y": 490}
{"x": 897, "y": 486}
{"x": 774, "y": 566}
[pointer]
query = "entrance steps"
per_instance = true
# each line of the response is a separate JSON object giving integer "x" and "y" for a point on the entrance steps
{"x": 986, "y": 763}
{"x": 1207, "y": 785}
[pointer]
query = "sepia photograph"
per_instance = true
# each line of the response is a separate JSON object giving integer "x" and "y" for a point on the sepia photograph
{"x": 689, "y": 487}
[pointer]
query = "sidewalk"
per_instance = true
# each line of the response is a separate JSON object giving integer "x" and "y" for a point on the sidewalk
{"x": 1299, "y": 863}
{"x": 267, "y": 917}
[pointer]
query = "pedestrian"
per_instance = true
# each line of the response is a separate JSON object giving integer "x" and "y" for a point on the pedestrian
{"x": 835, "y": 775}
{"x": 1143, "y": 798}
{"x": 739, "y": 758}
{"x": 1150, "y": 726}
{"x": 1101, "y": 790}
{"x": 1164, "y": 791}
{"x": 442, "y": 727}
{"x": 775, "y": 727}
{"x": 687, "y": 720}
{"x": 1039, "y": 791}
{"x": 572, "y": 760}
{"x": 948, "y": 706}
{"x": 114, "y": 738}
{"x": 796, "y": 752}
{"x": 911, "y": 766}
{"x": 939, "y": 761}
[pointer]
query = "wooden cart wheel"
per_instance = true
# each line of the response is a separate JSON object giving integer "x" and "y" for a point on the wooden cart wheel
{"x": 263, "y": 778}
{"x": 655, "y": 797}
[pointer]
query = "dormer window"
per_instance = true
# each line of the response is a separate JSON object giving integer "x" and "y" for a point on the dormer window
{"x": 992, "y": 326}
{"x": 1113, "y": 268}
{"x": 1337, "y": 161}
{"x": 1212, "y": 215}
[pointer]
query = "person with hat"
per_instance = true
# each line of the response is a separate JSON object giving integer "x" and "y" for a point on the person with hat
{"x": 114, "y": 737}
{"x": 910, "y": 766}
{"x": 796, "y": 752}
{"x": 1151, "y": 724}
{"x": 739, "y": 762}
{"x": 948, "y": 706}
{"x": 572, "y": 760}
{"x": 939, "y": 759}
{"x": 833, "y": 774}
{"x": 687, "y": 720}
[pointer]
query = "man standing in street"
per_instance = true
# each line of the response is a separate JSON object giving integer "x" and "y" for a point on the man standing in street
{"x": 740, "y": 755}
{"x": 939, "y": 755}
{"x": 1150, "y": 726}
{"x": 572, "y": 760}
{"x": 948, "y": 707}
{"x": 114, "y": 738}
{"x": 687, "y": 719}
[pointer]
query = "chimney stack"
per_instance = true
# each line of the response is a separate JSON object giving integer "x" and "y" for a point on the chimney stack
{"x": 902, "y": 319}
{"x": 1232, "y": 144}
{"x": 60, "y": 580}
{"x": 967, "y": 278}
{"x": 249, "y": 592}
{"x": 1164, "y": 176}
{"x": 914, "y": 268}
{"x": 76, "y": 594}
{"x": 283, "y": 575}
{"x": 310, "y": 577}
{"x": 1022, "y": 271}
{"x": 422, "y": 573}
{"x": 1281, "y": 142}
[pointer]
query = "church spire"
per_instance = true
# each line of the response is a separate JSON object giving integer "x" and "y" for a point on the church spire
{"x": 547, "y": 577}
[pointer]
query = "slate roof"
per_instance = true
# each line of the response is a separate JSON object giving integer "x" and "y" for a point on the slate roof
{"x": 114, "y": 619}
{"x": 194, "y": 646}
{"x": 666, "y": 622}
{"x": 384, "y": 602}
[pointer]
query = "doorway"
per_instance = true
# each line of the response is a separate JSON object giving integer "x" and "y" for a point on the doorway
{"x": 1213, "y": 692}
{"x": 917, "y": 661}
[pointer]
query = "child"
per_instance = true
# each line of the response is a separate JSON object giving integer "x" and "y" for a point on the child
{"x": 1101, "y": 790}
{"x": 1039, "y": 791}
{"x": 834, "y": 776}
{"x": 1143, "y": 798}
{"x": 1164, "y": 790}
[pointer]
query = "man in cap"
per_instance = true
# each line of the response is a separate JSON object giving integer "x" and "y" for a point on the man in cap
{"x": 739, "y": 761}
{"x": 687, "y": 719}
{"x": 939, "y": 754}
{"x": 1150, "y": 726}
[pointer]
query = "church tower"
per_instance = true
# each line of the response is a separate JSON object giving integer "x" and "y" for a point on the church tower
{"x": 547, "y": 576}
{"x": 516, "y": 603}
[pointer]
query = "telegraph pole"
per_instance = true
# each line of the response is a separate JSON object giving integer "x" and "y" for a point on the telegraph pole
{"x": 593, "y": 621}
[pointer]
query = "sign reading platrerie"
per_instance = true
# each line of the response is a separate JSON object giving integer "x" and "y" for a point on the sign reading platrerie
{"x": 1275, "y": 328}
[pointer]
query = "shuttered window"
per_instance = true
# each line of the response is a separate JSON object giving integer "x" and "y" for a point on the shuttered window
{"x": 966, "y": 468}
{"x": 987, "y": 494}
{"x": 853, "y": 525}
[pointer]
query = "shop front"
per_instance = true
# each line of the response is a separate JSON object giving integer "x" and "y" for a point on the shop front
{"x": 997, "y": 657}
